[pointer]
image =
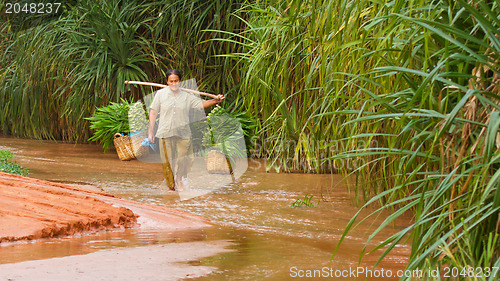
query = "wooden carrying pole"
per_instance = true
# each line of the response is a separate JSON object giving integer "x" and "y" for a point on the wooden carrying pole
{"x": 164, "y": 86}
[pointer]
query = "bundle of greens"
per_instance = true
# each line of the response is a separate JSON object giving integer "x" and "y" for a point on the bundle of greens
{"x": 138, "y": 121}
{"x": 109, "y": 120}
{"x": 225, "y": 130}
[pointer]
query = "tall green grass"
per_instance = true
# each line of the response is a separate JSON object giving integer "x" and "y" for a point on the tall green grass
{"x": 440, "y": 154}
{"x": 405, "y": 91}
{"x": 53, "y": 75}
{"x": 296, "y": 65}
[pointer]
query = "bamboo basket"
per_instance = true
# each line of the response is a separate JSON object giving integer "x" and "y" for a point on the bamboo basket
{"x": 217, "y": 163}
{"x": 136, "y": 140}
{"x": 123, "y": 147}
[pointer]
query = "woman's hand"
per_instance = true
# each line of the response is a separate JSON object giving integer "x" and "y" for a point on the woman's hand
{"x": 209, "y": 103}
{"x": 220, "y": 98}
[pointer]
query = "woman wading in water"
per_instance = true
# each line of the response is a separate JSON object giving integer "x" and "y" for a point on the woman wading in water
{"x": 174, "y": 105}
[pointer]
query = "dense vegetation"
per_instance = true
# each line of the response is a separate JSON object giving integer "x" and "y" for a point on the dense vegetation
{"x": 402, "y": 94}
{"x": 55, "y": 73}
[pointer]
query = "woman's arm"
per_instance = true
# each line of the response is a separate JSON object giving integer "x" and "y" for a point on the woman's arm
{"x": 209, "y": 103}
{"x": 152, "y": 119}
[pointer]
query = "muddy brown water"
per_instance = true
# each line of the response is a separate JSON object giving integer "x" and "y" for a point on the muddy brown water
{"x": 272, "y": 240}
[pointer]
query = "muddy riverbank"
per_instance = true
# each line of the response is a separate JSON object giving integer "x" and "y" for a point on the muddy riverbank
{"x": 33, "y": 209}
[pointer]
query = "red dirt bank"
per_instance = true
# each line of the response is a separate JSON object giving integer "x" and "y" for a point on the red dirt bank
{"x": 32, "y": 209}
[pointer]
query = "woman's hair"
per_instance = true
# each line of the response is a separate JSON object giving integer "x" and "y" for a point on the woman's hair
{"x": 174, "y": 72}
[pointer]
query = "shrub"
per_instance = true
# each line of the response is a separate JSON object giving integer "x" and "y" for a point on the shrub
{"x": 8, "y": 165}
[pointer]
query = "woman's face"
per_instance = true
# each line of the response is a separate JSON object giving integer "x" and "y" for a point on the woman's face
{"x": 173, "y": 81}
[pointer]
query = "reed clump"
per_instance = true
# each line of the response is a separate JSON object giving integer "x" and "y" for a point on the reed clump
{"x": 405, "y": 91}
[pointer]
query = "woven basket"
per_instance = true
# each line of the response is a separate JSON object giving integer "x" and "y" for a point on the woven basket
{"x": 217, "y": 163}
{"x": 136, "y": 140}
{"x": 123, "y": 147}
